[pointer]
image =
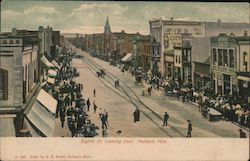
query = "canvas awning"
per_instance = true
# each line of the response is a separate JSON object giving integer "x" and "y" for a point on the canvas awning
{"x": 244, "y": 78}
{"x": 51, "y": 80}
{"x": 46, "y": 62}
{"x": 52, "y": 73}
{"x": 55, "y": 64}
{"x": 127, "y": 57}
{"x": 42, "y": 113}
{"x": 47, "y": 101}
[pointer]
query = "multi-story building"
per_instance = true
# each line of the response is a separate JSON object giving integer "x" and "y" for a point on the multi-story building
{"x": 142, "y": 53}
{"x": 18, "y": 72}
{"x": 168, "y": 33}
{"x": 230, "y": 59}
{"x": 182, "y": 60}
{"x": 201, "y": 63}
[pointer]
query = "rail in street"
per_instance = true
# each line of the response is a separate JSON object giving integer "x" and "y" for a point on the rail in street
{"x": 124, "y": 91}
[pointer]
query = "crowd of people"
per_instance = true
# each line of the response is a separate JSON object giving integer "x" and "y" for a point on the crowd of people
{"x": 71, "y": 106}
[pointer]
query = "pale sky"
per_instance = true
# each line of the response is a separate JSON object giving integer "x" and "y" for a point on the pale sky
{"x": 89, "y": 17}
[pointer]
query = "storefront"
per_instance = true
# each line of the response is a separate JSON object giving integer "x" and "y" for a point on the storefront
{"x": 244, "y": 85}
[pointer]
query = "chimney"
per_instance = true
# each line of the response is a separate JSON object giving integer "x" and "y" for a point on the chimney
{"x": 245, "y": 33}
{"x": 14, "y": 31}
{"x": 219, "y": 22}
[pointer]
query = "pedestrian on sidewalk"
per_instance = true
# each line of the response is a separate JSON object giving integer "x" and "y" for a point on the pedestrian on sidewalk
{"x": 88, "y": 104}
{"x": 189, "y": 128}
{"x": 165, "y": 120}
{"x": 95, "y": 107}
{"x": 62, "y": 116}
{"x": 94, "y": 92}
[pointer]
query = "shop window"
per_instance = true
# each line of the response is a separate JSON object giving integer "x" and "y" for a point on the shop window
{"x": 3, "y": 84}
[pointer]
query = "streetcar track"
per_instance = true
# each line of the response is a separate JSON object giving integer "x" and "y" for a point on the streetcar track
{"x": 96, "y": 67}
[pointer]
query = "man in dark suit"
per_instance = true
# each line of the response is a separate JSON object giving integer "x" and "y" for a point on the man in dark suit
{"x": 165, "y": 120}
{"x": 189, "y": 128}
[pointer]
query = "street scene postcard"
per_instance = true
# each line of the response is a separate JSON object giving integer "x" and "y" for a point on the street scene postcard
{"x": 109, "y": 80}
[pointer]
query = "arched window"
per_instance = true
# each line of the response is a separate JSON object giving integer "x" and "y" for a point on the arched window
{"x": 11, "y": 42}
{"x": 4, "y": 42}
{"x": 17, "y": 42}
{"x": 3, "y": 84}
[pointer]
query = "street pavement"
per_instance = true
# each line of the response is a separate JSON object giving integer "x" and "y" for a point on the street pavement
{"x": 121, "y": 111}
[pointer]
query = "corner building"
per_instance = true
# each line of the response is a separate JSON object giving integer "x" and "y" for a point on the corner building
{"x": 169, "y": 34}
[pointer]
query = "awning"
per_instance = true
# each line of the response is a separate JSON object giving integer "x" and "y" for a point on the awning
{"x": 51, "y": 80}
{"x": 46, "y": 62}
{"x": 42, "y": 114}
{"x": 127, "y": 57}
{"x": 7, "y": 127}
{"x": 52, "y": 73}
{"x": 47, "y": 101}
{"x": 55, "y": 64}
{"x": 243, "y": 78}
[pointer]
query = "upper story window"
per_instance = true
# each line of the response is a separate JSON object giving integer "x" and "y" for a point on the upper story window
{"x": 4, "y": 42}
{"x": 3, "y": 84}
{"x": 245, "y": 58}
{"x": 11, "y": 42}
{"x": 214, "y": 56}
{"x": 225, "y": 57}
{"x": 220, "y": 57}
{"x": 17, "y": 42}
{"x": 231, "y": 59}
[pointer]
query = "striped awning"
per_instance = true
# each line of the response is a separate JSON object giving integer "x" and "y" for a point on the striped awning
{"x": 42, "y": 114}
{"x": 52, "y": 73}
{"x": 46, "y": 62}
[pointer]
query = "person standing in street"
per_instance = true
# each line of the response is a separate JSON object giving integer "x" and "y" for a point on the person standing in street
{"x": 189, "y": 128}
{"x": 95, "y": 107}
{"x": 137, "y": 114}
{"x": 104, "y": 121}
{"x": 94, "y": 93}
{"x": 165, "y": 120}
{"x": 135, "y": 117}
{"x": 88, "y": 104}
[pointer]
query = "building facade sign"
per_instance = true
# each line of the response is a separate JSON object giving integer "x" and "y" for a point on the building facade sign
{"x": 196, "y": 31}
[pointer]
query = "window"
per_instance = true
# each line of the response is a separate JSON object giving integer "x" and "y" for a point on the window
{"x": 245, "y": 58}
{"x": 231, "y": 58}
{"x": 220, "y": 57}
{"x": 3, "y": 84}
{"x": 214, "y": 56}
{"x": 11, "y": 42}
{"x": 184, "y": 55}
{"x": 4, "y": 42}
{"x": 179, "y": 59}
{"x": 225, "y": 57}
{"x": 17, "y": 42}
